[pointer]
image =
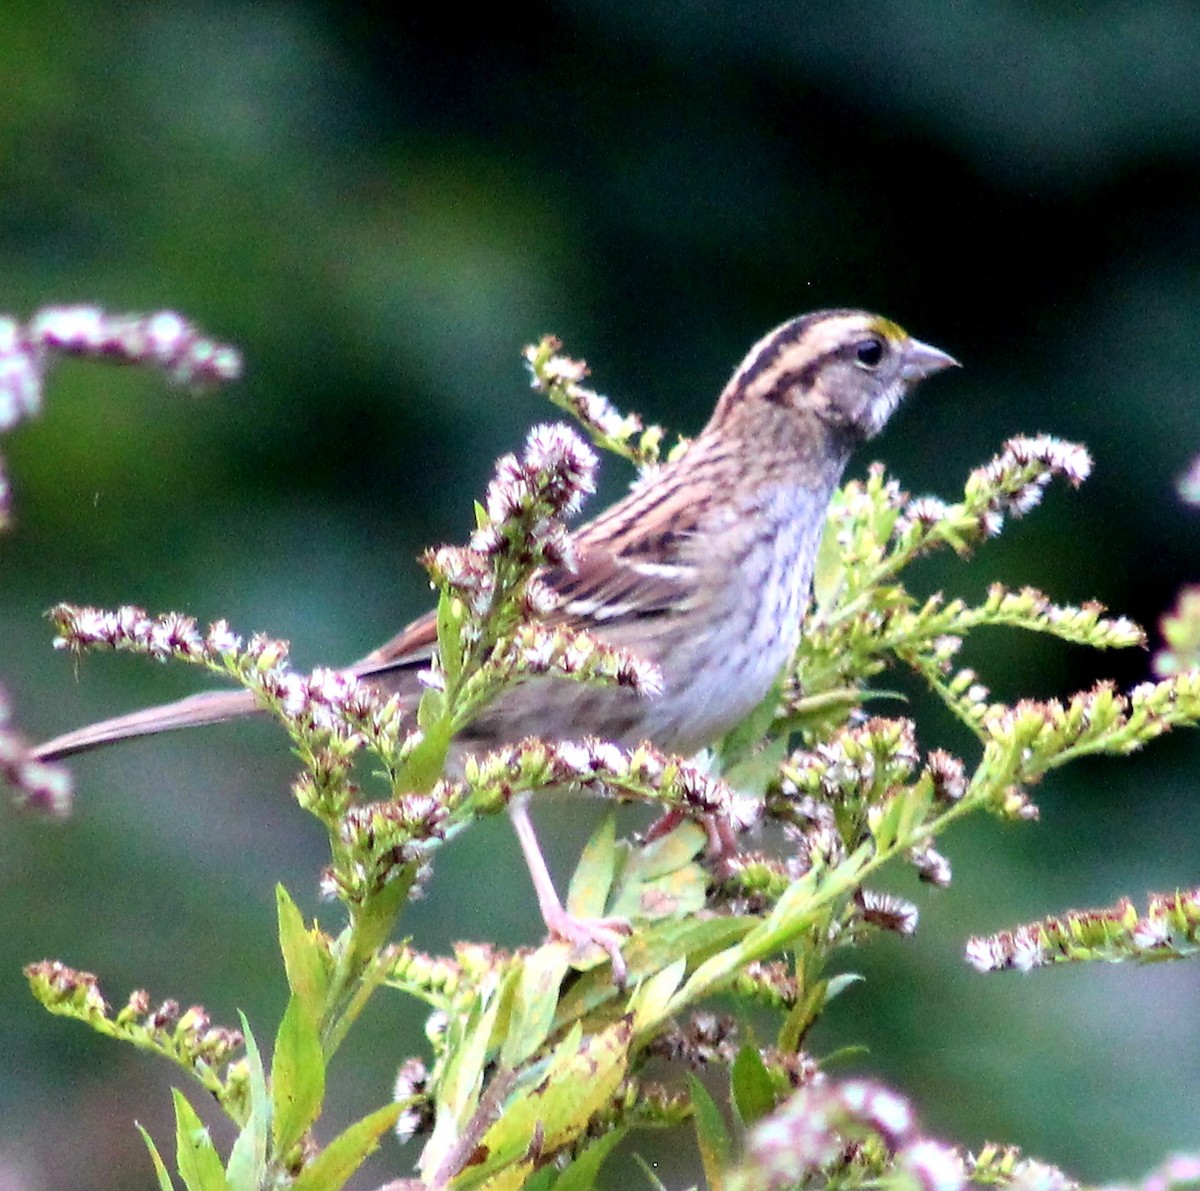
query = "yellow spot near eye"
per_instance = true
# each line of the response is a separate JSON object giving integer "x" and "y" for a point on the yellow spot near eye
{"x": 891, "y": 331}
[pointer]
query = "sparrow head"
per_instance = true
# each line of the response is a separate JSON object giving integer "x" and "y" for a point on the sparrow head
{"x": 846, "y": 368}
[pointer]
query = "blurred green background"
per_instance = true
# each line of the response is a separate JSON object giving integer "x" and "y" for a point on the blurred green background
{"x": 381, "y": 209}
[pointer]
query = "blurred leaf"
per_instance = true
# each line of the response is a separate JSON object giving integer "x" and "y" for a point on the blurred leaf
{"x": 536, "y": 999}
{"x": 668, "y": 853}
{"x": 511, "y": 1178}
{"x": 660, "y": 880}
{"x": 648, "y": 951}
{"x": 160, "y": 1168}
{"x": 248, "y": 1158}
{"x": 711, "y": 1134}
{"x": 651, "y": 1175}
{"x": 303, "y": 957}
{"x": 581, "y": 1174}
{"x": 650, "y": 1000}
{"x": 297, "y": 1077}
{"x": 592, "y": 880}
{"x": 195, "y": 1156}
{"x": 836, "y": 985}
{"x": 467, "y": 1045}
{"x": 450, "y": 617}
{"x": 330, "y": 1169}
{"x": 581, "y": 1077}
{"x": 752, "y": 1087}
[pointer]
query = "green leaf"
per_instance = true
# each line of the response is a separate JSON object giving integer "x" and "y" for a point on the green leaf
{"x": 592, "y": 880}
{"x": 752, "y": 1086}
{"x": 902, "y": 813}
{"x": 451, "y": 612}
{"x": 675, "y": 895}
{"x": 581, "y": 1174}
{"x": 160, "y": 1167}
{"x": 535, "y": 1001}
{"x": 303, "y": 956}
{"x": 580, "y": 1079}
{"x": 669, "y": 853}
{"x": 297, "y": 1077}
{"x": 649, "y": 951}
{"x": 248, "y": 1159}
{"x": 195, "y": 1156}
{"x": 425, "y": 763}
{"x": 739, "y": 745}
{"x": 330, "y": 1169}
{"x": 660, "y": 880}
{"x": 540, "y": 1180}
{"x": 467, "y": 1044}
{"x": 649, "y": 1002}
{"x": 651, "y": 1175}
{"x": 711, "y": 1135}
{"x": 829, "y": 571}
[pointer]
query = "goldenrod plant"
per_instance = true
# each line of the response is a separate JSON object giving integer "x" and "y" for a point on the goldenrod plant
{"x": 539, "y": 1059}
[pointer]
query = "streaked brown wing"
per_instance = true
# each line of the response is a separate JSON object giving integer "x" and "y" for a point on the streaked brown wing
{"x": 603, "y": 591}
{"x": 632, "y": 567}
{"x": 410, "y": 648}
{"x": 606, "y": 588}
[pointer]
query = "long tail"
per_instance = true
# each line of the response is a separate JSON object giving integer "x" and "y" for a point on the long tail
{"x": 209, "y": 707}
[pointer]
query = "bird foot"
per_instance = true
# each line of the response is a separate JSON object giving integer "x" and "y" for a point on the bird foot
{"x": 606, "y": 933}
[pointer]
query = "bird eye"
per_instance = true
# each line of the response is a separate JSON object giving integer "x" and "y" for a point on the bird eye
{"x": 869, "y": 352}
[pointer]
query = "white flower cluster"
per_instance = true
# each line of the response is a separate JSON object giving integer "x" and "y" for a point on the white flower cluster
{"x": 1014, "y": 481}
{"x": 556, "y": 650}
{"x": 601, "y": 766}
{"x": 810, "y": 1132}
{"x": 525, "y": 506}
{"x": 164, "y": 340}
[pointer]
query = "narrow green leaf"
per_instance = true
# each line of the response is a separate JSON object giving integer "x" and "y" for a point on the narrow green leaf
{"x": 711, "y": 1135}
{"x": 330, "y": 1169}
{"x": 297, "y": 1077}
{"x": 303, "y": 956}
{"x": 752, "y": 1087}
{"x": 160, "y": 1167}
{"x": 739, "y": 745}
{"x": 195, "y": 1156}
{"x": 535, "y": 1001}
{"x": 592, "y": 880}
{"x": 650, "y": 1000}
{"x": 248, "y": 1159}
{"x": 581, "y": 1174}
{"x": 651, "y": 1175}
{"x": 450, "y": 615}
{"x": 467, "y": 1046}
{"x": 426, "y": 762}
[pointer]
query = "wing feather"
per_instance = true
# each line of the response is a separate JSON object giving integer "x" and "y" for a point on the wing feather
{"x": 625, "y": 571}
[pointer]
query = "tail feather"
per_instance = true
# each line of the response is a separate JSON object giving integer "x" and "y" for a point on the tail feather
{"x": 209, "y": 707}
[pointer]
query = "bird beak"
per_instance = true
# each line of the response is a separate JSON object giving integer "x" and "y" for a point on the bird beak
{"x": 922, "y": 360}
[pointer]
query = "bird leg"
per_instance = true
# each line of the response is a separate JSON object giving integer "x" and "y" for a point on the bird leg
{"x": 606, "y": 933}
